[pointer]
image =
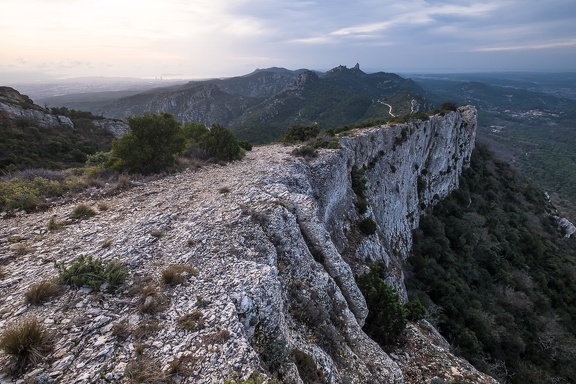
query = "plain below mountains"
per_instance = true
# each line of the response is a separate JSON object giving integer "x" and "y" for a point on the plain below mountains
{"x": 261, "y": 105}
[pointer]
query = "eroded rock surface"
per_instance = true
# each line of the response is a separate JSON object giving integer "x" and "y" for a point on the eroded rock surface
{"x": 276, "y": 244}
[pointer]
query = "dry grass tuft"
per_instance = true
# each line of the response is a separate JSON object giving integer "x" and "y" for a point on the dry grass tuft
{"x": 151, "y": 300}
{"x": 121, "y": 330}
{"x": 40, "y": 292}
{"x": 145, "y": 329}
{"x": 192, "y": 321}
{"x": 20, "y": 249}
{"x": 177, "y": 274}
{"x": 27, "y": 343}
{"x": 82, "y": 212}
{"x": 156, "y": 233}
{"x": 219, "y": 337}
{"x": 145, "y": 370}
{"x": 54, "y": 224}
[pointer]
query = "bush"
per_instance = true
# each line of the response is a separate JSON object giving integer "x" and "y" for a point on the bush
{"x": 300, "y": 133}
{"x": 150, "y": 146}
{"x": 386, "y": 316}
{"x": 304, "y": 151}
{"x": 367, "y": 226}
{"x": 86, "y": 271}
{"x": 26, "y": 343}
{"x": 414, "y": 310}
{"x": 221, "y": 144}
{"x": 40, "y": 292}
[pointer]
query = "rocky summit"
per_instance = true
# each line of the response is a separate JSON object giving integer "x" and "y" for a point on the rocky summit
{"x": 269, "y": 246}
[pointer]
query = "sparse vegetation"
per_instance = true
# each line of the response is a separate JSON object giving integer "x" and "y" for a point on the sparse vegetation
{"x": 82, "y": 212}
{"x": 192, "y": 321}
{"x": 151, "y": 300}
{"x": 300, "y": 133}
{"x": 54, "y": 224}
{"x": 221, "y": 144}
{"x": 42, "y": 291}
{"x": 121, "y": 330}
{"x": 86, "y": 271}
{"x": 145, "y": 329}
{"x": 219, "y": 337}
{"x": 177, "y": 274}
{"x": 145, "y": 370}
{"x": 26, "y": 342}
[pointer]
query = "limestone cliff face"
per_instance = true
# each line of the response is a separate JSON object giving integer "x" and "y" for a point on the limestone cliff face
{"x": 276, "y": 243}
{"x": 406, "y": 168}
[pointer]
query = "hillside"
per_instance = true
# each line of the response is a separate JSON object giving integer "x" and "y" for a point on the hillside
{"x": 35, "y": 137}
{"x": 261, "y": 105}
{"x": 498, "y": 277}
{"x": 242, "y": 268}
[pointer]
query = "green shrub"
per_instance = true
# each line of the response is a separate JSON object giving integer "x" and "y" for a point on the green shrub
{"x": 221, "y": 144}
{"x": 18, "y": 194}
{"x": 304, "y": 151}
{"x": 449, "y": 106}
{"x": 27, "y": 343}
{"x": 414, "y": 310}
{"x": 150, "y": 146}
{"x": 86, "y": 271}
{"x": 300, "y": 133}
{"x": 367, "y": 226}
{"x": 82, "y": 212}
{"x": 40, "y": 292}
{"x": 245, "y": 145}
{"x": 386, "y": 316}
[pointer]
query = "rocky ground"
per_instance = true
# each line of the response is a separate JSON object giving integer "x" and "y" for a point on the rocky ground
{"x": 216, "y": 219}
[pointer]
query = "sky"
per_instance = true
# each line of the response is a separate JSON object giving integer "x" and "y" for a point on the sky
{"x": 221, "y": 38}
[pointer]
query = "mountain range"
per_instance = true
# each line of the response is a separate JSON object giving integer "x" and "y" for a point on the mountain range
{"x": 261, "y": 105}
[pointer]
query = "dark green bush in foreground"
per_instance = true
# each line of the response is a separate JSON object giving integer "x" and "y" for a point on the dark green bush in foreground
{"x": 87, "y": 271}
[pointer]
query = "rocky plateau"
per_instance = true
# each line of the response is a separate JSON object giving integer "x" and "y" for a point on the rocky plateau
{"x": 275, "y": 244}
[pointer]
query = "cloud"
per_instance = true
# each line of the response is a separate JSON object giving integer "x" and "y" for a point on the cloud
{"x": 547, "y": 45}
{"x": 218, "y": 37}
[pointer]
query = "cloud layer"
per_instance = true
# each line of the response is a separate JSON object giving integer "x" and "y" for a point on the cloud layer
{"x": 204, "y": 38}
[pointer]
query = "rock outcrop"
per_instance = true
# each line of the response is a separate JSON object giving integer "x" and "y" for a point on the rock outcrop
{"x": 276, "y": 243}
{"x": 14, "y": 105}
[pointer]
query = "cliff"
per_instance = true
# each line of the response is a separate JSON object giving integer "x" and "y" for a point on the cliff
{"x": 275, "y": 242}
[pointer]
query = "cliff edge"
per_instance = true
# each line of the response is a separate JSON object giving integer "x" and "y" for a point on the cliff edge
{"x": 275, "y": 242}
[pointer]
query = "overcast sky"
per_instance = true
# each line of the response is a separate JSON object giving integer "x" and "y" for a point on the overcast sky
{"x": 216, "y": 38}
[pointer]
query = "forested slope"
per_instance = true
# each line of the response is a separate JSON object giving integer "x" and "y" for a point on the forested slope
{"x": 497, "y": 277}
